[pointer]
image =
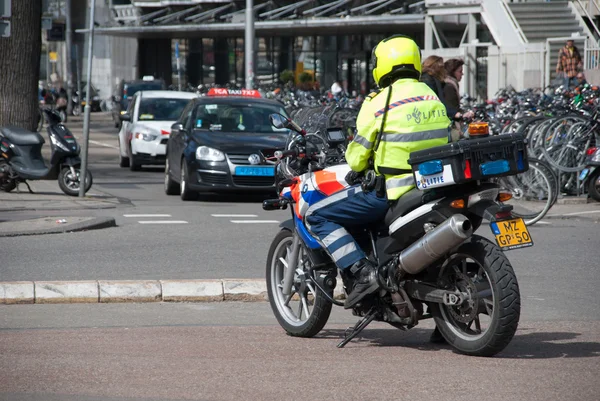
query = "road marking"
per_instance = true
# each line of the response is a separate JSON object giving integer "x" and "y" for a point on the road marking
{"x": 163, "y": 222}
{"x": 254, "y": 221}
{"x": 103, "y": 144}
{"x": 578, "y": 213}
{"x": 542, "y": 222}
{"x": 146, "y": 215}
{"x": 234, "y": 215}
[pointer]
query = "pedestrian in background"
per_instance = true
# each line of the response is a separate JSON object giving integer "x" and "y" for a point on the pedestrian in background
{"x": 454, "y": 74}
{"x": 569, "y": 64}
{"x": 434, "y": 75}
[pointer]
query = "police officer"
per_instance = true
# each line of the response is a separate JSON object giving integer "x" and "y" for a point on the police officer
{"x": 403, "y": 117}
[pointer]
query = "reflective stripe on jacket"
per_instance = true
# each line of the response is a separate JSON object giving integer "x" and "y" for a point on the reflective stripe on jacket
{"x": 416, "y": 120}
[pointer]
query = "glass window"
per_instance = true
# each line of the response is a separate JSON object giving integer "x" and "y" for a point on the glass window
{"x": 208, "y": 61}
{"x": 187, "y": 114}
{"x": 157, "y": 109}
{"x": 132, "y": 89}
{"x": 237, "y": 117}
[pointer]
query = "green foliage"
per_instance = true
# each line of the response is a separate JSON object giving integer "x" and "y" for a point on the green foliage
{"x": 286, "y": 76}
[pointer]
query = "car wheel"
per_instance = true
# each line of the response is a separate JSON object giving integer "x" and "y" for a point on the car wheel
{"x": 134, "y": 165}
{"x": 171, "y": 187}
{"x": 123, "y": 161}
{"x": 184, "y": 191}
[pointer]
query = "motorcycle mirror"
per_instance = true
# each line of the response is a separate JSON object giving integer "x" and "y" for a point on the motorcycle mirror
{"x": 279, "y": 121}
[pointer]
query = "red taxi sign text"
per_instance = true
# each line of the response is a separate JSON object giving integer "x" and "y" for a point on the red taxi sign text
{"x": 233, "y": 92}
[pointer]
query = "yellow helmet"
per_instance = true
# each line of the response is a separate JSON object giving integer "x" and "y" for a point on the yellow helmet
{"x": 395, "y": 56}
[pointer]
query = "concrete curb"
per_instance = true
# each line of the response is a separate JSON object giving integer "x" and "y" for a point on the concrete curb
{"x": 95, "y": 223}
{"x": 110, "y": 291}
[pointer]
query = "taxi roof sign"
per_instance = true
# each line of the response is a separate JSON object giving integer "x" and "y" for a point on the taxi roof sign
{"x": 233, "y": 92}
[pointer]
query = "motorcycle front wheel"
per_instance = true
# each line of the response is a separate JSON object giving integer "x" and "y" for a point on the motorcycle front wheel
{"x": 305, "y": 311}
{"x": 487, "y": 319}
{"x": 69, "y": 183}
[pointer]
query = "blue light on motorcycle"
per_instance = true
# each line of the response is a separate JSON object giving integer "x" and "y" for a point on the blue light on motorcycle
{"x": 520, "y": 165}
{"x": 495, "y": 167}
{"x": 431, "y": 167}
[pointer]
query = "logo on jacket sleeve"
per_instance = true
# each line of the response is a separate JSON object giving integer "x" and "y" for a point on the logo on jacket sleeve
{"x": 416, "y": 115}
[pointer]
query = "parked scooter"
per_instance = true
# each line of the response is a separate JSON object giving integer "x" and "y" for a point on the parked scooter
{"x": 21, "y": 157}
{"x": 590, "y": 175}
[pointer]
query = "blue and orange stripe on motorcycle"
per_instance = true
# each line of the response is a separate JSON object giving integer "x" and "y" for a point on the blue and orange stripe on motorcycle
{"x": 405, "y": 101}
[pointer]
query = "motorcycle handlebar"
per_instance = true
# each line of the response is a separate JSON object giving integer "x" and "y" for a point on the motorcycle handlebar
{"x": 285, "y": 153}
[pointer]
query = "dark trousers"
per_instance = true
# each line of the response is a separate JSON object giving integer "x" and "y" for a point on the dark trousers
{"x": 328, "y": 220}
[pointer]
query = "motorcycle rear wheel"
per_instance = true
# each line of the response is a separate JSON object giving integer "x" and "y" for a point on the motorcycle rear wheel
{"x": 479, "y": 268}
{"x": 305, "y": 311}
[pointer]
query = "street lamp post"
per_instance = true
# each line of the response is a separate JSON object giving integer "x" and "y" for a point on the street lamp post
{"x": 249, "y": 44}
{"x": 87, "y": 108}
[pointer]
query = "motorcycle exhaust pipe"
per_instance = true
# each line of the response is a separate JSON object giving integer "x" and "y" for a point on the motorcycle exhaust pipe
{"x": 436, "y": 243}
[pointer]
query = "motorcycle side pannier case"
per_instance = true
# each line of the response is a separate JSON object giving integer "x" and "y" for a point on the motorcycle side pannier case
{"x": 469, "y": 160}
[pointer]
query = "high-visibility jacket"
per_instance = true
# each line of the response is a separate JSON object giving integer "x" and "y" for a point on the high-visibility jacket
{"x": 416, "y": 120}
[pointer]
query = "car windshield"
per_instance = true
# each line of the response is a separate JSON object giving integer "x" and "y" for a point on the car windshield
{"x": 157, "y": 109}
{"x": 237, "y": 117}
{"x": 131, "y": 89}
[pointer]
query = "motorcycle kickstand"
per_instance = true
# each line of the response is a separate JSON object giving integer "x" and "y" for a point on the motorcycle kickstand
{"x": 352, "y": 332}
{"x": 28, "y": 187}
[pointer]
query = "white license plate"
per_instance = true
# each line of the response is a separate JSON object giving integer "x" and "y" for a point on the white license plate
{"x": 442, "y": 179}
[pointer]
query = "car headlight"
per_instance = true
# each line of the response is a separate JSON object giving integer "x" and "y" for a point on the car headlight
{"x": 209, "y": 154}
{"x": 145, "y": 136}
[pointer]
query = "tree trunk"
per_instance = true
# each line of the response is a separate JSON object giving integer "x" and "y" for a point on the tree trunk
{"x": 20, "y": 66}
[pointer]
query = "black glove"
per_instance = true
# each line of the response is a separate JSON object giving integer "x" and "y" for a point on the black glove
{"x": 353, "y": 177}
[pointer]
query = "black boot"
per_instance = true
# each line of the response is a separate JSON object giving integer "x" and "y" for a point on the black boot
{"x": 365, "y": 282}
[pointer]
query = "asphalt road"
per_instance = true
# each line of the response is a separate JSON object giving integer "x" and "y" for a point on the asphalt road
{"x": 232, "y": 351}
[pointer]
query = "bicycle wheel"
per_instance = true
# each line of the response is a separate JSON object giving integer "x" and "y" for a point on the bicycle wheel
{"x": 566, "y": 141}
{"x": 534, "y": 191}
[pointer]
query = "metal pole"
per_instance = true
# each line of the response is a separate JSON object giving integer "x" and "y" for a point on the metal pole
{"x": 87, "y": 108}
{"x": 249, "y": 44}
{"x": 69, "y": 43}
{"x": 178, "y": 65}
{"x": 78, "y": 68}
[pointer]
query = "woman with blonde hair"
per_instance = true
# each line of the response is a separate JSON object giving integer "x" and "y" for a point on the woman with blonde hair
{"x": 434, "y": 75}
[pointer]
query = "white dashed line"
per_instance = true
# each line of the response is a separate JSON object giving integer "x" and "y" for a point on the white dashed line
{"x": 578, "y": 213}
{"x": 163, "y": 222}
{"x": 103, "y": 144}
{"x": 146, "y": 215}
{"x": 234, "y": 215}
{"x": 254, "y": 221}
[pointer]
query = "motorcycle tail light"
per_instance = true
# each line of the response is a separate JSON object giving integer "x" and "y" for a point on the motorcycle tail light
{"x": 591, "y": 151}
{"x": 503, "y": 215}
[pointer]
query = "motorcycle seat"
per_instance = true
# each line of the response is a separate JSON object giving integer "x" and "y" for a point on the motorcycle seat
{"x": 21, "y": 136}
{"x": 406, "y": 203}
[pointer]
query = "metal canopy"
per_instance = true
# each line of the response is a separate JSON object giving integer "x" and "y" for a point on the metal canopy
{"x": 185, "y": 15}
{"x": 350, "y": 25}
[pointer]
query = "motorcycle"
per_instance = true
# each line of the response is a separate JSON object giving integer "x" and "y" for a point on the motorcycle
{"x": 590, "y": 175}
{"x": 21, "y": 157}
{"x": 426, "y": 251}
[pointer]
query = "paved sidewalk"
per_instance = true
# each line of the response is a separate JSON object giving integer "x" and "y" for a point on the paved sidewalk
{"x": 53, "y": 205}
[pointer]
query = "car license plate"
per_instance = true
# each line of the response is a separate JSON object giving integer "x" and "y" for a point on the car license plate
{"x": 511, "y": 234}
{"x": 255, "y": 171}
